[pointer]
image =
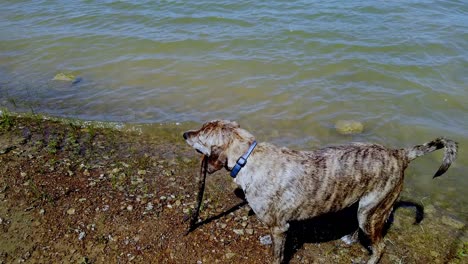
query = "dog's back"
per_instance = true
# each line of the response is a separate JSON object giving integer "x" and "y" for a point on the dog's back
{"x": 311, "y": 183}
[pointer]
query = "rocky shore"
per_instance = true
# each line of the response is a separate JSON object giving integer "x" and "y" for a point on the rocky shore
{"x": 76, "y": 192}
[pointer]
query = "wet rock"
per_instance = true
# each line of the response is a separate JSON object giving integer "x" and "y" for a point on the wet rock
{"x": 64, "y": 76}
{"x": 349, "y": 127}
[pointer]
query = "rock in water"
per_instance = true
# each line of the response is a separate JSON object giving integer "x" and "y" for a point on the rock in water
{"x": 67, "y": 77}
{"x": 349, "y": 127}
{"x": 62, "y": 76}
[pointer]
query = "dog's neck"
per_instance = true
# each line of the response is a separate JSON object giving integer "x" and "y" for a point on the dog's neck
{"x": 234, "y": 151}
{"x": 242, "y": 161}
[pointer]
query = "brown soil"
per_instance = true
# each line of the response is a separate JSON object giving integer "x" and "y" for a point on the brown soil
{"x": 81, "y": 194}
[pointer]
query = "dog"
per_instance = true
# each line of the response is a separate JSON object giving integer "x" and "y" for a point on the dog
{"x": 283, "y": 185}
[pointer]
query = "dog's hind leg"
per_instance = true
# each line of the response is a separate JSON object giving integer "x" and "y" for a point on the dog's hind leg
{"x": 279, "y": 240}
{"x": 374, "y": 210}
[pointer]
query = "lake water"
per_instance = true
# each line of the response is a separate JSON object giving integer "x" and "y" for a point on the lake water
{"x": 286, "y": 70}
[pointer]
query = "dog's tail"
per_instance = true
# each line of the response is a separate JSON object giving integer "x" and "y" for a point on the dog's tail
{"x": 450, "y": 153}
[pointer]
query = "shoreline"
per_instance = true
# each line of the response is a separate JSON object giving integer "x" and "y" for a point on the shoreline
{"x": 73, "y": 191}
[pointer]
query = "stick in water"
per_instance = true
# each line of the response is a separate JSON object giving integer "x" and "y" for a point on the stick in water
{"x": 201, "y": 189}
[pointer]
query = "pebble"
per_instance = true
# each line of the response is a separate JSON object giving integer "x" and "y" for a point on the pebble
{"x": 249, "y": 231}
{"x": 266, "y": 240}
{"x": 71, "y": 211}
{"x": 141, "y": 172}
{"x": 230, "y": 255}
{"x": 130, "y": 208}
{"x": 81, "y": 235}
{"x": 42, "y": 211}
{"x": 149, "y": 206}
{"x": 240, "y": 232}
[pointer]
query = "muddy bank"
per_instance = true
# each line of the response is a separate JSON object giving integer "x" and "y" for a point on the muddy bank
{"x": 72, "y": 192}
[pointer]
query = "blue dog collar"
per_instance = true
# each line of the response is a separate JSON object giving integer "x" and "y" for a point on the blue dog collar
{"x": 242, "y": 160}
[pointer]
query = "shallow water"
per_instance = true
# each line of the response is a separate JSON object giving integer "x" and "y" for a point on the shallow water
{"x": 286, "y": 70}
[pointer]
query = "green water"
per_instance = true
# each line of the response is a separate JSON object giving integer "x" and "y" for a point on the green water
{"x": 286, "y": 70}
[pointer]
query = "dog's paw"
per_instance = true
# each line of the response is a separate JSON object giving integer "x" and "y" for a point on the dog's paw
{"x": 349, "y": 239}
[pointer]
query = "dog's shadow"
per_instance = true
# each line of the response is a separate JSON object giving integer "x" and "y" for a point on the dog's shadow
{"x": 324, "y": 228}
{"x": 333, "y": 226}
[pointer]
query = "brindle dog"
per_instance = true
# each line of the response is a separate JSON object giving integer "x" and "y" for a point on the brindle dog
{"x": 282, "y": 185}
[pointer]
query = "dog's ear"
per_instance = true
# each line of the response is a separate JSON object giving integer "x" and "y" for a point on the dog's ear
{"x": 235, "y": 124}
{"x": 217, "y": 159}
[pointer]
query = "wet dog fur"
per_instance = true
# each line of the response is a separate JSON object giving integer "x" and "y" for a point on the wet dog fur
{"x": 283, "y": 185}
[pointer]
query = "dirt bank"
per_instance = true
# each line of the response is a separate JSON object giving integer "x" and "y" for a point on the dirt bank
{"x": 75, "y": 193}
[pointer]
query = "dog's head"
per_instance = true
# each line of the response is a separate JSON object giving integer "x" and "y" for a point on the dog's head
{"x": 222, "y": 141}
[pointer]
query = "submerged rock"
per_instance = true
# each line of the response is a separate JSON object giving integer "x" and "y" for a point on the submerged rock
{"x": 69, "y": 77}
{"x": 349, "y": 127}
{"x": 63, "y": 76}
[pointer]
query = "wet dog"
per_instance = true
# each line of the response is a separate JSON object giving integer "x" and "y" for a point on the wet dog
{"x": 282, "y": 185}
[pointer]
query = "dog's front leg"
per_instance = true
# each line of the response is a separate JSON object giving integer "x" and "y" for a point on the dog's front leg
{"x": 279, "y": 240}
